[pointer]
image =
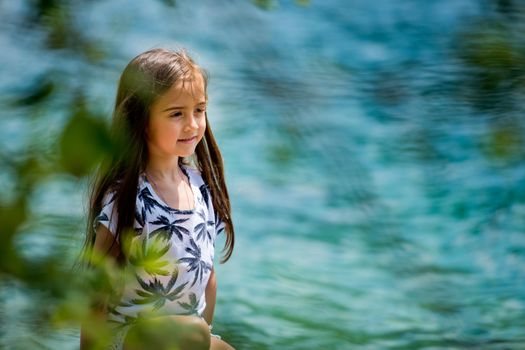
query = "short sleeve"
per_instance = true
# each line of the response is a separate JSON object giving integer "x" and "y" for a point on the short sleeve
{"x": 108, "y": 215}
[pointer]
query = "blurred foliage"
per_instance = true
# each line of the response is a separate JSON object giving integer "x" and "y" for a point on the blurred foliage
{"x": 39, "y": 91}
{"x": 56, "y": 18}
{"x": 506, "y": 142}
{"x": 265, "y": 4}
{"x": 493, "y": 50}
{"x": 273, "y": 4}
{"x": 170, "y": 3}
{"x": 492, "y": 80}
{"x": 84, "y": 141}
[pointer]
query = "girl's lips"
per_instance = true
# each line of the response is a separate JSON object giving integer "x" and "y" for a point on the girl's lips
{"x": 190, "y": 140}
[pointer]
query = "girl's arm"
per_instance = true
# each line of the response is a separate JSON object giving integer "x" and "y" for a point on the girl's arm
{"x": 103, "y": 243}
{"x": 211, "y": 294}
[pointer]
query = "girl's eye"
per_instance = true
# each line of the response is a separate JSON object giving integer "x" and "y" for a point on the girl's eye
{"x": 201, "y": 110}
{"x": 176, "y": 114}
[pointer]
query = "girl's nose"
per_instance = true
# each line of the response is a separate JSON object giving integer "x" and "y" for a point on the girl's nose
{"x": 192, "y": 124}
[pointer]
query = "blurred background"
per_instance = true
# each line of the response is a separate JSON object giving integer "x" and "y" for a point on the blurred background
{"x": 374, "y": 152}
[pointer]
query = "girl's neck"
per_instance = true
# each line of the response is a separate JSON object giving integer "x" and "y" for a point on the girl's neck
{"x": 164, "y": 170}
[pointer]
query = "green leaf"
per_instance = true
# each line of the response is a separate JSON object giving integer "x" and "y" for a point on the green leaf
{"x": 83, "y": 143}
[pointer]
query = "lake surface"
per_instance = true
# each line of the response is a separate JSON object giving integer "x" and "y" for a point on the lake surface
{"x": 374, "y": 153}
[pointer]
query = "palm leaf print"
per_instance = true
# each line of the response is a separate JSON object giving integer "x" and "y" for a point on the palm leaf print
{"x": 102, "y": 217}
{"x": 169, "y": 228}
{"x": 149, "y": 202}
{"x": 195, "y": 262}
{"x": 128, "y": 320}
{"x": 219, "y": 224}
{"x": 148, "y": 256}
{"x": 209, "y": 225}
{"x": 112, "y": 198}
{"x": 204, "y": 192}
{"x": 200, "y": 229}
{"x": 113, "y": 310}
{"x": 154, "y": 292}
{"x": 140, "y": 217}
{"x": 191, "y": 307}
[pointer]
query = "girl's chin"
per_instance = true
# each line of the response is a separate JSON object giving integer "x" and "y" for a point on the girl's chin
{"x": 188, "y": 151}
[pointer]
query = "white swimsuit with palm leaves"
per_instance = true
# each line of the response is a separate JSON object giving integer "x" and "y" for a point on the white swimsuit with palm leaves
{"x": 172, "y": 252}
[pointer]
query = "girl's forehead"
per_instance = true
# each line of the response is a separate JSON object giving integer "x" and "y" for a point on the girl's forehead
{"x": 183, "y": 93}
{"x": 192, "y": 87}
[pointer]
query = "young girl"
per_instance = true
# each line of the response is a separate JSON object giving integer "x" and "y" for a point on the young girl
{"x": 158, "y": 205}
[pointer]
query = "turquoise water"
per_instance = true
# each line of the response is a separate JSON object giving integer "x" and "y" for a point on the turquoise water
{"x": 374, "y": 153}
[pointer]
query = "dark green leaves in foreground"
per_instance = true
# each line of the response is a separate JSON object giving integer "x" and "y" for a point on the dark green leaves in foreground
{"x": 84, "y": 141}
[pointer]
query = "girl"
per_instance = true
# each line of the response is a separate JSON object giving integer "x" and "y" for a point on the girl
{"x": 157, "y": 206}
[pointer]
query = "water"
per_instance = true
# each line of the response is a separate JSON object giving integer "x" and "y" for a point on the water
{"x": 373, "y": 151}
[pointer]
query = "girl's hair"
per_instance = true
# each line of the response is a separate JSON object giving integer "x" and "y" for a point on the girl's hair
{"x": 145, "y": 78}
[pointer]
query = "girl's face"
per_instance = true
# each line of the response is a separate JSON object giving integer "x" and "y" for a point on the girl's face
{"x": 177, "y": 120}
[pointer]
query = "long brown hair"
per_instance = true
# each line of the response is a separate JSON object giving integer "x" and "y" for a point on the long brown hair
{"x": 145, "y": 78}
